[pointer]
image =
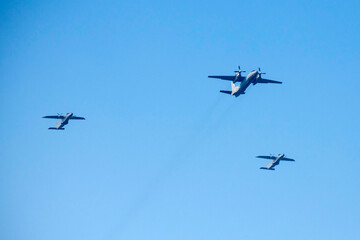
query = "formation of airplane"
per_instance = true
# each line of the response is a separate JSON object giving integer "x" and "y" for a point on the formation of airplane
{"x": 275, "y": 162}
{"x": 64, "y": 120}
{"x": 254, "y": 77}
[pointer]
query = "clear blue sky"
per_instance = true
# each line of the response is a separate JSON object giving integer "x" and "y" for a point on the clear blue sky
{"x": 162, "y": 154}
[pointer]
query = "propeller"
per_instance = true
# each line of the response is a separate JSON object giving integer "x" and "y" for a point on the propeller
{"x": 260, "y": 73}
{"x": 258, "y": 76}
{"x": 239, "y": 71}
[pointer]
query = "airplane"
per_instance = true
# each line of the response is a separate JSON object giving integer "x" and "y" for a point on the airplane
{"x": 254, "y": 77}
{"x": 64, "y": 120}
{"x": 276, "y": 161}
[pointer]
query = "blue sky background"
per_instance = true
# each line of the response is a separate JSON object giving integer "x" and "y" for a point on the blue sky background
{"x": 162, "y": 154}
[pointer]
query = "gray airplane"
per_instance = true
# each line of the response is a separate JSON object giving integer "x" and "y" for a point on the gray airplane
{"x": 254, "y": 77}
{"x": 64, "y": 120}
{"x": 276, "y": 161}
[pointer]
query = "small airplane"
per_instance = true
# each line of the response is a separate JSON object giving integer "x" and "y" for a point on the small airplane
{"x": 276, "y": 161}
{"x": 254, "y": 77}
{"x": 64, "y": 120}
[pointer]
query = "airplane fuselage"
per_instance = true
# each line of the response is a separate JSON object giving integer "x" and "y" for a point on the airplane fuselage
{"x": 65, "y": 121}
{"x": 276, "y": 161}
{"x": 250, "y": 78}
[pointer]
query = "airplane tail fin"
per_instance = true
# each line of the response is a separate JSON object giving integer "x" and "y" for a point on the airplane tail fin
{"x": 234, "y": 89}
{"x": 268, "y": 167}
{"x": 232, "y": 86}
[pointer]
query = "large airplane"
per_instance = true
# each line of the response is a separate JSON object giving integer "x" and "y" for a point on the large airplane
{"x": 276, "y": 161}
{"x": 254, "y": 77}
{"x": 64, "y": 120}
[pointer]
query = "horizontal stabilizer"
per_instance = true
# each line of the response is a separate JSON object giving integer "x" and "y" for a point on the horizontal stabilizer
{"x": 227, "y": 92}
{"x": 52, "y": 128}
{"x": 267, "y": 168}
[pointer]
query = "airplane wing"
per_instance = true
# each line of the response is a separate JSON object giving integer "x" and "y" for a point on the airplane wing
{"x": 264, "y": 80}
{"x": 55, "y": 117}
{"x": 77, "y": 118}
{"x": 267, "y": 157}
{"x": 228, "y": 78}
{"x": 267, "y": 168}
{"x": 287, "y": 159}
